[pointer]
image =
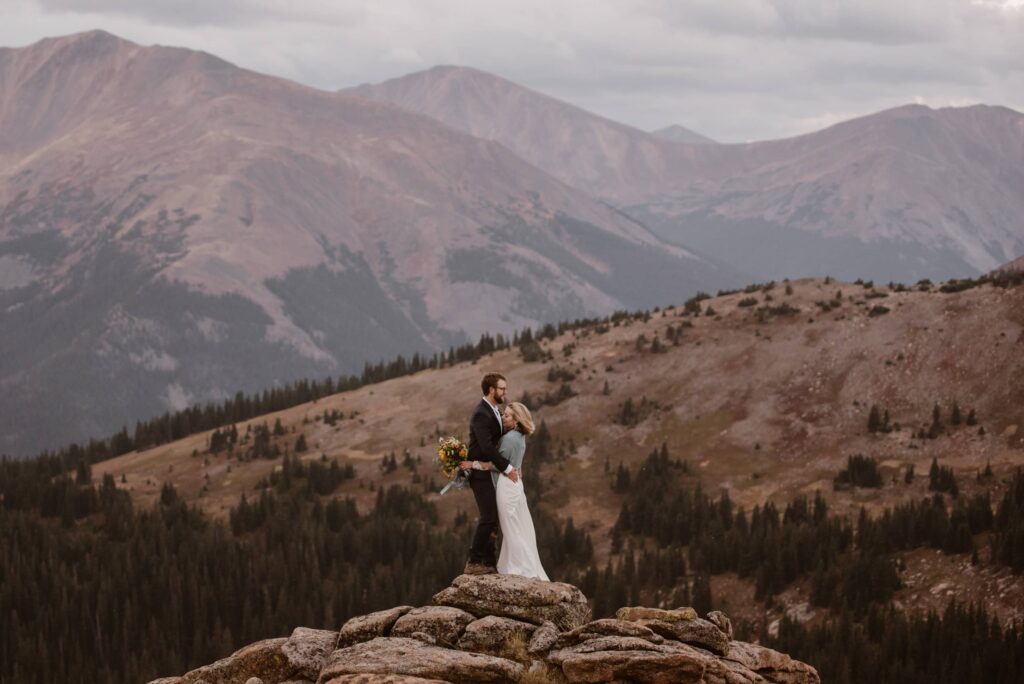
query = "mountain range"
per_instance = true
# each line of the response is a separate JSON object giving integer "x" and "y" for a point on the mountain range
{"x": 174, "y": 229}
{"x": 907, "y": 193}
{"x": 179, "y": 229}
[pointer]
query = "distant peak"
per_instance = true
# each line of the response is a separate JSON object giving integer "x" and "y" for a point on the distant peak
{"x": 918, "y": 108}
{"x": 97, "y": 37}
{"x": 677, "y": 133}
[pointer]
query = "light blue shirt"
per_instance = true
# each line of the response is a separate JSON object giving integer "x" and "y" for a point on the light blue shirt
{"x": 512, "y": 446}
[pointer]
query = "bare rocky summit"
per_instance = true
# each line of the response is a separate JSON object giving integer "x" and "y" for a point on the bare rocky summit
{"x": 484, "y": 647}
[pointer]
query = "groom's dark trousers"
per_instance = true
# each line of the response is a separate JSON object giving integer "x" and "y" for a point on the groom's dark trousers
{"x": 484, "y": 433}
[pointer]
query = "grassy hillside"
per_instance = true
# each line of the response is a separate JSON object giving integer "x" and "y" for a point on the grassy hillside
{"x": 764, "y": 393}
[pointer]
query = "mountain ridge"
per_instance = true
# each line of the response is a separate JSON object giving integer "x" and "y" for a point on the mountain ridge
{"x": 909, "y": 192}
{"x": 679, "y": 133}
{"x": 205, "y": 228}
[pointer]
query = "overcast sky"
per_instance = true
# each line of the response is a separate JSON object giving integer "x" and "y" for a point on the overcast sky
{"x": 734, "y": 70}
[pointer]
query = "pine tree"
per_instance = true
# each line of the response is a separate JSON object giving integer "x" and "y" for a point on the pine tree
{"x": 874, "y": 419}
{"x": 701, "y": 592}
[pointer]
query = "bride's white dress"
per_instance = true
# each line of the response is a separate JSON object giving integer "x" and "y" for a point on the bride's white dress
{"x": 519, "y": 540}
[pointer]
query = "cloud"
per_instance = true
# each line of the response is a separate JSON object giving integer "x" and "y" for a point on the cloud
{"x": 731, "y": 69}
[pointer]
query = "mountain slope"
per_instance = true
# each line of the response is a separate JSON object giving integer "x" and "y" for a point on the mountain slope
{"x": 604, "y": 157}
{"x": 766, "y": 406}
{"x": 1015, "y": 265}
{"x": 903, "y": 194}
{"x": 179, "y": 229}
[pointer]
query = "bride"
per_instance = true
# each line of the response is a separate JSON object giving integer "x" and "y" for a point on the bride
{"x": 519, "y": 540}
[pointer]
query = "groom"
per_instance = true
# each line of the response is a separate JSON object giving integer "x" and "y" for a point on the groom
{"x": 484, "y": 433}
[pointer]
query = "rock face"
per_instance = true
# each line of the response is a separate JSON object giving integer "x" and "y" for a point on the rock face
{"x": 442, "y": 623}
{"x": 517, "y": 597}
{"x": 366, "y": 627}
{"x": 396, "y": 655}
{"x": 503, "y": 628}
{"x": 543, "y": 638}
{"x": 772, "y": 665}
{"x": 640, "y": 613}
{"x": 297, "y": 658}
{"x": 497, "y": 635}
{"x": 695, "y": 632}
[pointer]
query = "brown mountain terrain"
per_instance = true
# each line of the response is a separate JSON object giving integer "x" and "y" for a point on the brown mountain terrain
{"x": 906, "y": 193}
{"x": 765, "y": 396}
{"x": 179, "y": 228}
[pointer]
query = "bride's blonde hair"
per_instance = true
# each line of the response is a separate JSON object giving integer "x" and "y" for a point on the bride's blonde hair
{"x": 521, "y": 414}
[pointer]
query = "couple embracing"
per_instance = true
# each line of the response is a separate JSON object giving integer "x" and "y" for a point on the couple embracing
{"x": 497, "y": 442}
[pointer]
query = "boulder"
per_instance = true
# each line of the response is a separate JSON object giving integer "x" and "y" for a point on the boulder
{"x": 612, "y": 659}
{"x": 263, "y": 659}
{"x": 400, "y": 656}
{"x": 721, "y": 621}
{"x": 497, "y": 636}
{"x": 273, "y": 661}
{"x": 444, "y": 623}
{"x": 606, "y": 627}
{"x": 371, "y": 626}
{"x": 772, "y": 665}
{"x": 253, "y": 680}
{"x": 696, "y": 632}
{"x": 517, "y": 597}
{"x": 306, "y": 650}
{"x": 651, "y": 663}
{"x": 608, "y": 643}
{"x": 543, "y": 638}
{"x": 635, "y": 613}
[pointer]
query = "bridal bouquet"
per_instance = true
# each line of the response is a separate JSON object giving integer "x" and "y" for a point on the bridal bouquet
{"x": 450, "y": 452}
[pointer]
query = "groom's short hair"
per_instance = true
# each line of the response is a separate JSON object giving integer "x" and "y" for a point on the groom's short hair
{"x": 490, "y": 380}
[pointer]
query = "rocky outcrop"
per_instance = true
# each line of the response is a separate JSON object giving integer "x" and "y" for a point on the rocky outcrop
{"x": 498, "y": 635}
{"x": 397, "y": 655}
{"x": 499, "y": 628}
{"x": 443, "y": 623}
{"x": 696, "y": 632}
{"x": 366, "y": 627}
{"x": 634, "y": 613}
{"x": 294, "y": 659}
{"x": 543, "y": 638}
{"x": 517, "y": 597}
{"x": 772, "y": 665}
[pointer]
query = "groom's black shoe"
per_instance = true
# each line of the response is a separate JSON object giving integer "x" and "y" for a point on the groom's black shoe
{"x": 479, "y": 569}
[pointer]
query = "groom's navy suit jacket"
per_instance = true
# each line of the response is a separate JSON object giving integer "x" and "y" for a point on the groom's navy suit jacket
{"x": 484, "y": 433}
